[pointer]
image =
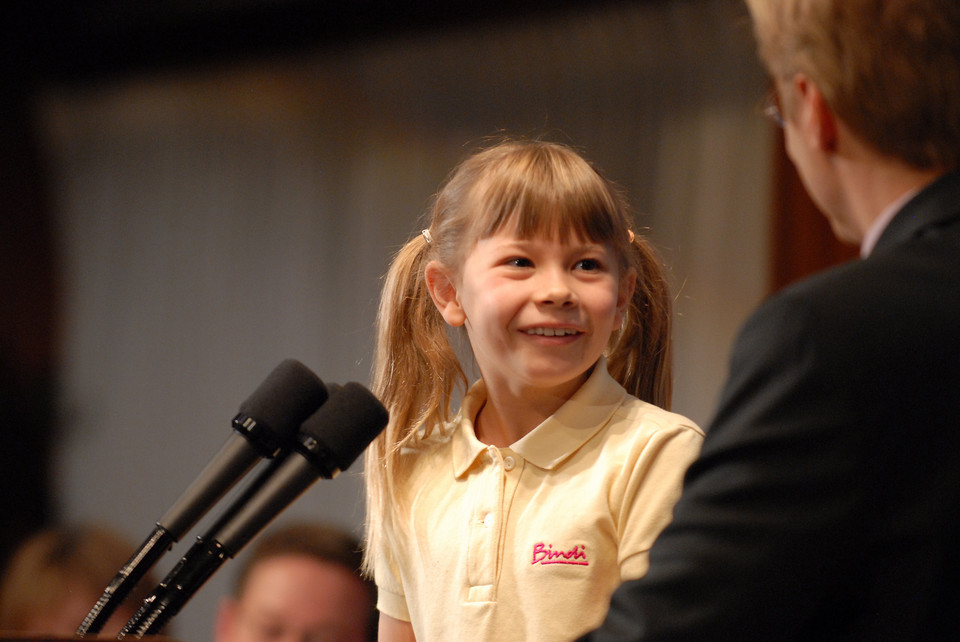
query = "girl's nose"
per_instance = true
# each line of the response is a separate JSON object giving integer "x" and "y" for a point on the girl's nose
{"x": 554, "y": 289}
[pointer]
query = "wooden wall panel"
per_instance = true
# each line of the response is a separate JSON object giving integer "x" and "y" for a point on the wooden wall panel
{"x": 802, "y": 242}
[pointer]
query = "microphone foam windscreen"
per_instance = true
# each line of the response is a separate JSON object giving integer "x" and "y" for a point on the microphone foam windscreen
{"x": 289, "y": 394}
{"x": 347, "y": 423}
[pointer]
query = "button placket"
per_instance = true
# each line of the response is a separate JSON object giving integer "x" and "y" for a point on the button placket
{"x": 485, "y": 529}
{"x": 491, "y": 518}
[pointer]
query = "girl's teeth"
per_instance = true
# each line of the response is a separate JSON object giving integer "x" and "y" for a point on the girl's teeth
{"x": 551, "y": 332}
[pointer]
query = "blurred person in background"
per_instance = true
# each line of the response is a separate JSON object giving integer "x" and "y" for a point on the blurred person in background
{"x": 300, "y": 583}
{"x": 57, "y": 575}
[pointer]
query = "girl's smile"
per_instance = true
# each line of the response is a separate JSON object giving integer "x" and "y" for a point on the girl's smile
{"x": 539, "y": 312}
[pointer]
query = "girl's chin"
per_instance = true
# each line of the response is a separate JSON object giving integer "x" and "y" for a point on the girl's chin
{"x": 550, "y": 376}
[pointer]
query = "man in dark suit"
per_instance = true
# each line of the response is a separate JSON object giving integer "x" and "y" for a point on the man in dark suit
{"x": 826, "y": 501}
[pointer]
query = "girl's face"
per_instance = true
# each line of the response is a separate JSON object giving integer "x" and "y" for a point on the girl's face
{"x": 539, "y": 312}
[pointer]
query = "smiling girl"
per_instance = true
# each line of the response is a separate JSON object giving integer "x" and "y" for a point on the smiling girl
{"x": 518, "y": 517}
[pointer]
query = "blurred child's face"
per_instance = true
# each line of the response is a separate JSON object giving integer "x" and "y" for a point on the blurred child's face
{"x": 539, "y": 312}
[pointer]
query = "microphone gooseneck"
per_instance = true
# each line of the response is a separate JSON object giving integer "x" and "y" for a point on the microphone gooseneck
{"x": 265, "y": 426}
{"x": 328, "y": 442}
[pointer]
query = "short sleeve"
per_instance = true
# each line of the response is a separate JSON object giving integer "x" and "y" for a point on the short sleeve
{"x": 650, "y": 490}
{"x": 391, "y": 599}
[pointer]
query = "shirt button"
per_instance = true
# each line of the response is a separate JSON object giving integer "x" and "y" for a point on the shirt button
{"x": 509, "y": 463}
{"x": 488, "y": 520}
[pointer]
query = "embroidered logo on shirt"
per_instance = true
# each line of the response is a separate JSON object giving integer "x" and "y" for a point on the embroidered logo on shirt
{"x": 544, "y": 554}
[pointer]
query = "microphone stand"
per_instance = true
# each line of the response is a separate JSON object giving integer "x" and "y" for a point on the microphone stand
{"x": 264, "y": 428}
{"x": 328, "y": 442}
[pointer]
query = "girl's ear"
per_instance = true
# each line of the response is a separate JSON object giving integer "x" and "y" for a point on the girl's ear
{"x": 628, "y": 283}
{"x": 443, "y": 291}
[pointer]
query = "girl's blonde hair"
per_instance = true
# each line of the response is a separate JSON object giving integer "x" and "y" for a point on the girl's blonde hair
{"x": 536, "y": 188}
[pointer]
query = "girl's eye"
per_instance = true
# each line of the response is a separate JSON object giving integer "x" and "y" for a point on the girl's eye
{"x": 588, "y": 265}
{"x": 519, "y": 261}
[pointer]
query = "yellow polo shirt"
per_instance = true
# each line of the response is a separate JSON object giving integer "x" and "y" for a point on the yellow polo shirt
{"x": 528, "y": 542}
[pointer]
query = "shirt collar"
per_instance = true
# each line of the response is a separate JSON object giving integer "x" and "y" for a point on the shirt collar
{"x": 554, "y": 440}
{"x": 880, "y": 224}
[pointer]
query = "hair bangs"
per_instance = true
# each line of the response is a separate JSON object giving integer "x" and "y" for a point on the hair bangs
{"x": 546, "y": 192}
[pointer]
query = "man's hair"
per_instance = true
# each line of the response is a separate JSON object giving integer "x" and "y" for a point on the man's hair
{"x": 322, "y": 542}
{"x": 890, "y": 69}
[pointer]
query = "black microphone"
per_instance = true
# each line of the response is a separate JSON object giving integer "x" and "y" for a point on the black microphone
{"x": 328, "y": 442}
{"x": 265, "y": 426}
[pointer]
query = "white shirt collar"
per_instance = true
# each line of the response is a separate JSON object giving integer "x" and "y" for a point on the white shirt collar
{"x": 880, "y": 224}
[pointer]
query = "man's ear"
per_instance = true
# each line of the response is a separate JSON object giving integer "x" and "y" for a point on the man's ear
{"x": 443, "y": 291}
{"x": 816, "y": 119}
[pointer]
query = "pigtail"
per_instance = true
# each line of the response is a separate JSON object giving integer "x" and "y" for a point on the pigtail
{"x": 415, "y": 373}
{"x": 641, "y": 354}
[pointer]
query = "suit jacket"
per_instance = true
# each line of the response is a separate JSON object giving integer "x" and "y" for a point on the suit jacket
{"x": 825, "y": 504}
